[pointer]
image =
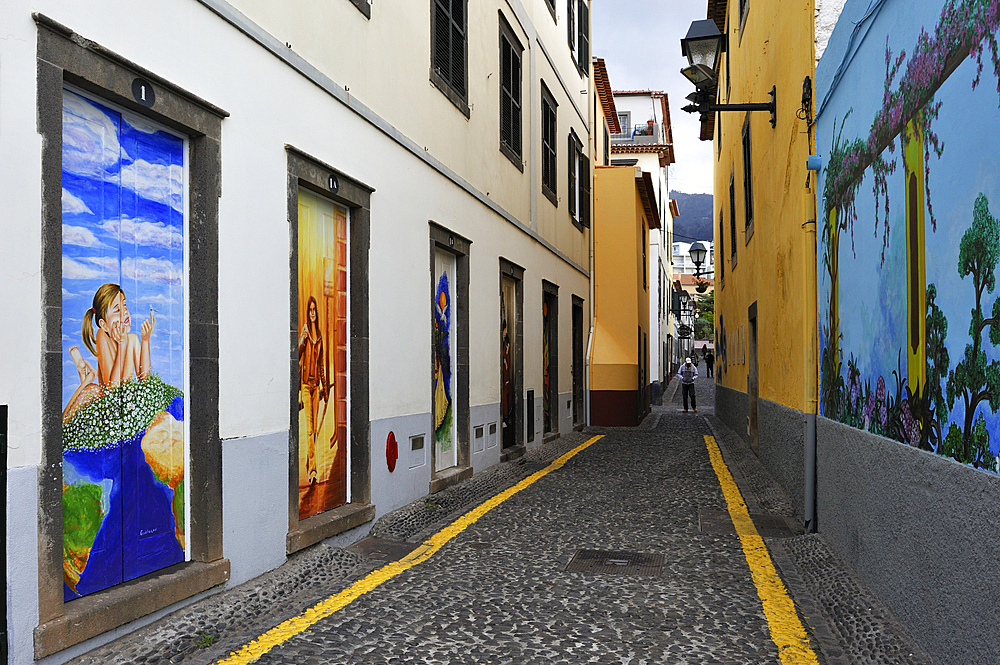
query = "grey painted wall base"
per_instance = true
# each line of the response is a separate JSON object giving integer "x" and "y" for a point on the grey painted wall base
{"x": 922, "y": 531}
{"x": 731, "y": 408}
{"x": 565, "y": 412}
{"x": 782, "y": 438}
{"x": 22, "y": 562}
{"x": 782, "y": 448}
{"x": 485, "y": 443}
{"x": 254, "y": 500}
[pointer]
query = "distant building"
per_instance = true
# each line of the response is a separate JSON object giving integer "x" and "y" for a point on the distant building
{"x": 646, "y": 140}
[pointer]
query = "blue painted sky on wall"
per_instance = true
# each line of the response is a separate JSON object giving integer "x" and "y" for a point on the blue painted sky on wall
{"x": 123, "y": 222}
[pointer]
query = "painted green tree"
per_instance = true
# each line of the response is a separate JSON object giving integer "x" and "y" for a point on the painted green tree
{"x": 938, "y": 361}
{"x": 975, "y": 380}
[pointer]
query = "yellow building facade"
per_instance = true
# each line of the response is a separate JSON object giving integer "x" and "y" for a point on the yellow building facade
{"x": 624, "y": 213}
{"x": 765, "y": 241}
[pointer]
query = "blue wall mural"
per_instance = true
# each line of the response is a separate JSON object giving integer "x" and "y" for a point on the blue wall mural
{"x": 123, "y": 347}
{"x": 910, "y": 241}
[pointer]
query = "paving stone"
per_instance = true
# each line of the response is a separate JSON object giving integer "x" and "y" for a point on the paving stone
{"x": 499, "y": 592}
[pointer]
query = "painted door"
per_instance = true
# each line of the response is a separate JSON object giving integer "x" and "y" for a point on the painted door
{"x": 577, "y": 363}
{"x": 323, "y": 352}
{"x": 443, "y": 379}
{"x": 753, "y": 386}
{"x": 508, "y": 356}
{"x": 123, "y": 431}
{"x": 548, "y": 373}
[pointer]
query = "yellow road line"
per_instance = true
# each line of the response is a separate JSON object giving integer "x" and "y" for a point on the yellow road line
{"x": 786, "y": 629}
{"x": 296, "y": 625}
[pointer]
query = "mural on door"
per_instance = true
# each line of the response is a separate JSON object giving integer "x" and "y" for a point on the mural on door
{"x": 322, "y": 346}
{"x": 443, "y": 381}
{"x": 912, "y": 351}
{"x": 123, "y": 408}
{"x": 507, "y": 341}
{"x": 546, "y": 379}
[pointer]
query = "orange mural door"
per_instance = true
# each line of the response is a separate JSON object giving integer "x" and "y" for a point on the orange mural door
{"x": 322, "y": 347}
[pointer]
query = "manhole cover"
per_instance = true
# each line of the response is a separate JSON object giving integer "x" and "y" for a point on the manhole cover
{"x": 382, "y": 549}
{"x": 768, "y": 526}
{"x": 616, "y": 563}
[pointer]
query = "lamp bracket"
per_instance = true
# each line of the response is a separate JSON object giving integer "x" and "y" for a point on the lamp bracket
{"x": 770, "y": 106}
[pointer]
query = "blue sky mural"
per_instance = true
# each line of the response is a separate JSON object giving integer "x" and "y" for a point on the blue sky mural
{"x": 123, "y": 223}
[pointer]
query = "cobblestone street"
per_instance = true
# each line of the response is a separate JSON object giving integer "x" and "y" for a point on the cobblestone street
{"x": 500, "y": 591}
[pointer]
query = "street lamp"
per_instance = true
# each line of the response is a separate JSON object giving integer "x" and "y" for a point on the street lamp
{"x": 698, "y": 254}
{"x": 702, "y": 47}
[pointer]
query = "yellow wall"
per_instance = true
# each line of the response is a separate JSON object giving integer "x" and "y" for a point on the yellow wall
{"x": 776, "y": 266}
{"x": 621, "y": 304}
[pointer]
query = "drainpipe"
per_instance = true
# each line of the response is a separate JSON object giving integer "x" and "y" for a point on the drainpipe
{"x": 810, "y": 334}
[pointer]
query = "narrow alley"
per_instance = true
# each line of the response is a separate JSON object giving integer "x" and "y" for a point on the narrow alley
{"x": 671, "y": 582}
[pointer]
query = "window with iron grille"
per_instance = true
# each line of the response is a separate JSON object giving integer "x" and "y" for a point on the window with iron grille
{"x": 549, "y": 146}
{"x": 449, "y": 65}
{"x": 747, "y": 180}
{"x": 732, "y": 217}
{"x": 510, "y": 94}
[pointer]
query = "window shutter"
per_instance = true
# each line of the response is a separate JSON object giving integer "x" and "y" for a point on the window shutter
{"x": 571, "y": 191}
{"x": 515, "y": 100}
{"x": 571, "y": 24}
{"x": 458, "y": 46}
{"x": 506, "y": 103}
{"x": 584, "y": 191}
{"x": 442, "y": 43}
{"x": 583, "y": 49}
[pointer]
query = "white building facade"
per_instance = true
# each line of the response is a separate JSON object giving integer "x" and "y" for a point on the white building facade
{"x": 646, "y": 141}
{"x": 278, "y": 272}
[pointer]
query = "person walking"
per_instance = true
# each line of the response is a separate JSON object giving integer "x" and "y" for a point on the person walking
{"x": 687, "y": 374}
{"x": 710, "y": 362}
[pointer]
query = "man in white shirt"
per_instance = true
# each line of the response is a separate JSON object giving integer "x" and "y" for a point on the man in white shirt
{"x": 687, "y": 374}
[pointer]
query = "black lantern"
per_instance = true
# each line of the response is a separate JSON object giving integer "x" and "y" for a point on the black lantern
{"x": 702, "y": 47}
{"x": 698, "y": 254}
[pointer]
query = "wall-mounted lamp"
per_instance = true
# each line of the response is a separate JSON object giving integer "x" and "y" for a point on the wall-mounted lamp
{"x": 702, "y": 47}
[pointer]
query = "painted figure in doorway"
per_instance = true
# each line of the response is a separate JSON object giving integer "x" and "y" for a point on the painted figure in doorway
{"x": 121, "y": 355}
{"x": 442, "y": 363}
{"x": 315, "y": 386}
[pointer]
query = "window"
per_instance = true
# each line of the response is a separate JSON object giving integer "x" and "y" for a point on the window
{"x": 722, "y": 250}
{"x": 624, "y": 120}
{"x": 551, "y": 4}
{"x": 732, "y": 217}
{"x": 747, "y": 180}
{"x": 645, "y": 281}
{"x": 579, "y": 183}
{"x": 549, "y": 146}
{"x": 744, "y": 10}
{"x": 510, "y": 94}
{"x": 607, "y": 146}
{"x": 578, "y": 33}
{"x": 448, "y": 51}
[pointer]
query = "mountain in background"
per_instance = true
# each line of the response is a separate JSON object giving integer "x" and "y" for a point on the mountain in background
{"x": 695, "y": 220}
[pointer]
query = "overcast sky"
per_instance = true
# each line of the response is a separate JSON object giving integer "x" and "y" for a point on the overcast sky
{"x": 640, "y": 41}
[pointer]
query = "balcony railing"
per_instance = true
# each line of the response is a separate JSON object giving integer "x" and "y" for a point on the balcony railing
{"x": 639, "y": 133}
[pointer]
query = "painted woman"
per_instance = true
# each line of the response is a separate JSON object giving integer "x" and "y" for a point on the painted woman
{"x": 313, "y": 381}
